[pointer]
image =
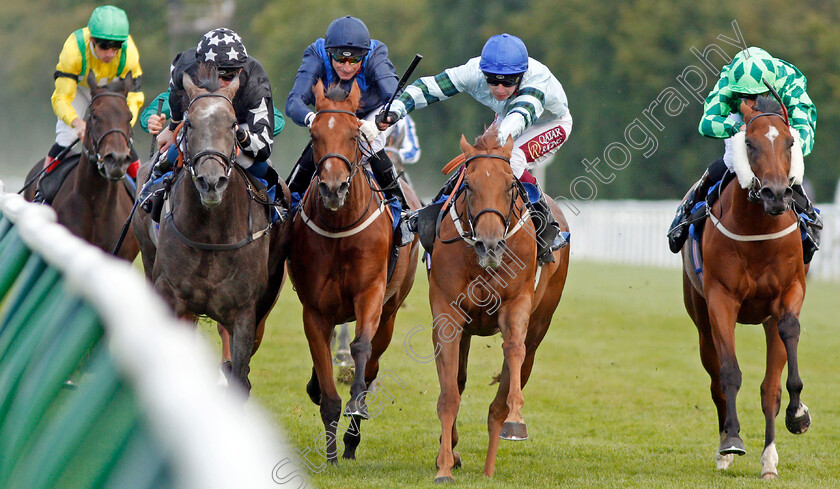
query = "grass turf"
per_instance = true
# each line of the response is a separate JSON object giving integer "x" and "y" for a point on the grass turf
{"x": 618, "y": 397}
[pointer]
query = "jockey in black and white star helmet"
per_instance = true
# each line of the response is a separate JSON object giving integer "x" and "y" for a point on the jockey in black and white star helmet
{"x": 223, "y": 48}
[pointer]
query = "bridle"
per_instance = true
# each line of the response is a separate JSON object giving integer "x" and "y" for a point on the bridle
{"x": 353, "y": 166}
{"x": 756, "y": 184}
{"x": 471, "y": 219}
{"x": 226, "y": 160}
{"x": 92, "y": 153}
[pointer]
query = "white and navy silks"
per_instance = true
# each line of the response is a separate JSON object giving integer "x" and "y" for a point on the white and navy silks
{"x": 252, "y": 104}
{"x": 536, "y": 116}
{"x": 405, "y": 132}
{"x": 377, "y": 80}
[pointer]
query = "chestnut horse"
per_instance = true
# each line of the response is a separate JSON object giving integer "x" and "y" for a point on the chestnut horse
{"x": 338, "y": 262}
{"x": 753, "y": 273}
{"x": 484, "y": 279}
{"x": 93, "y": 202}
{"x": 216, "y": 253}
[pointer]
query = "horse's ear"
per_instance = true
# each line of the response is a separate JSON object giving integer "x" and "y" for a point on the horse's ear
{"x": 508, "y": 147}
{"x": 465, "y": 146}
{"x": 189, "y": 86}
{"x": 318, "y": 91}
{"x": 128, "y": 83}
{"x": 230, "y": 90}
{"x": 355, "y": 95}
{"x": 746, "y": 110}
{"x": 91, "y": 81}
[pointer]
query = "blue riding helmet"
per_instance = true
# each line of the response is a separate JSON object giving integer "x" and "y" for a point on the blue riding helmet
{"x": 348, "y": 36}
{"x": 504, "y": 54}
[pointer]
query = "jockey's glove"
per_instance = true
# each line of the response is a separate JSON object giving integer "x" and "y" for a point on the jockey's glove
{"x": 390, "y": 118}
{"x": 243, "y": 137}
{"x": 369, "y": 130}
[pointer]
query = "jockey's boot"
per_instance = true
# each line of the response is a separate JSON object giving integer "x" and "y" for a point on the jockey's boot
{"x": 151, "y": 194}
{"x": 275, "y": 193}
{"x": 813, "y": 222}
{"x": 448, "y": 187}
{"x": 678, "y": 232}
{"x": 301, "y": 175}
{"x": 548, "y": 236}
{"x": 385, "y": 173}
{"x": 50, "y": 162}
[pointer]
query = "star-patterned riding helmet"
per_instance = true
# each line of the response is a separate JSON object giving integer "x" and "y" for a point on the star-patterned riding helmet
{"x": 222, "y": 47}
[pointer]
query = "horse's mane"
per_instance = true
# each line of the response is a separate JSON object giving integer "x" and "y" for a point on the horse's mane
{"x": 768, "y": 104}
{"x": 489, "y": 140}
{"x": 208, "y": 77}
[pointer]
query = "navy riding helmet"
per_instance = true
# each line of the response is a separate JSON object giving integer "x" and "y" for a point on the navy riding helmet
{"x": 504, "y": 54}
{"x": 347, "y": 35}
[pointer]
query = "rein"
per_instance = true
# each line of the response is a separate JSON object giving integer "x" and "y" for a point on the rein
{"x": 92, "y": 154}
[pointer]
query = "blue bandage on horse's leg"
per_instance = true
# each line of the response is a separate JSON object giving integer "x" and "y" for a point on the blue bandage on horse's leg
{"x": 533, "y": 192}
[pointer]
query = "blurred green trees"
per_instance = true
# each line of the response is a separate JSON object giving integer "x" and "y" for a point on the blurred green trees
{"x": 613, "y": 59}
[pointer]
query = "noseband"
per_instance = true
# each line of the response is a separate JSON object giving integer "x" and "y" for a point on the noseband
{"x": 190, "y": 160}
{"x": 353, "y": 166}
{"x": 92, "y": 153}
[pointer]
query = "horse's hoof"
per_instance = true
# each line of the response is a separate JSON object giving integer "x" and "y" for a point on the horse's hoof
{"x": 769, "y": 475}
{"x": 798, "y": 425}
{"x": 356, "y": 408}
{"x": 348, "y": 456}
{"x": 733, "y": 445}
{"x": 444, "y": 480}
{"x": 514, "y": 431}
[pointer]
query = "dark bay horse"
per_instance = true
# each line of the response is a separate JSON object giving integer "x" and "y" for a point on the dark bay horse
{"x": 753, "y": 273}
{"x": 484, "y": 279}
{"x": 93, "y": 202}
{"x": 338, "y": 263}
{"x": 216, "y": 253}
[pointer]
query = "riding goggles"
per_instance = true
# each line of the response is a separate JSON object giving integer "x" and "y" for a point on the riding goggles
{"x": 503, "y": 80}
{"x": 228, "y": 74}
{"x": 340, "y": 59}
{"x": 108, "y": 44}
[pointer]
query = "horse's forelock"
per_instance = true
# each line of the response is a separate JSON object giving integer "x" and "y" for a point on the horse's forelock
{"x": 768, "y": 104}
{"x": 207, "y": 77}
{"x": 489, "y": 140}
{"x": 336, "y": 93}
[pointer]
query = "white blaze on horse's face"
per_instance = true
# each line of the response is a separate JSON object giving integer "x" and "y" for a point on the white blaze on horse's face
{"x": 331, "y": 124}
{"x": 772, "y": 134}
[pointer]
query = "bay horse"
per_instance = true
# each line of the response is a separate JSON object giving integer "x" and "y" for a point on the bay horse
{"x": 753, "y": 273}
{"x": 216, "y": 253}
{"x": 483, "y": 280}
{"x": 93, "y": 202}
{"x": 339, "y": 262}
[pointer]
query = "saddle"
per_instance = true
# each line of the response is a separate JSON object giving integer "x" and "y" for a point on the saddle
{"x": 50, "y": 183}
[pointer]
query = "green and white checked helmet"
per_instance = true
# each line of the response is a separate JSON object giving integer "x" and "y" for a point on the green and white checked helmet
{"x": 749, "y": 68}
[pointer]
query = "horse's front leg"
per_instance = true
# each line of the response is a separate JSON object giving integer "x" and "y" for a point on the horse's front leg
{"x": 368, "y": 308}
{"x": 446, "y": 338}
{"x": 513, "y": 322}
{"x": 771, "y": 396}
{"x": 318, "y": 330}
{"x": 723, "y": 311}
{"x": 242, "y": 345}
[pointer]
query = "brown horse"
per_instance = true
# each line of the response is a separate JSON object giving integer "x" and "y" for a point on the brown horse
{"x": 339, "y": 263}
{"x": 484, "y": 279}
{"x": 93, "y": 202}
{"x": 753, "y": 273}
{"x": 216, "y": 253}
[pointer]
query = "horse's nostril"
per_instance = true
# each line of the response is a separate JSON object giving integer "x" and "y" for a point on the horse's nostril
{"x": 222, "y": 183}
{"x": 344, "y": 187}
{"x": 323, "y": 188}
{"x": 788, "y": 194}
{"x": 766, "y": 193}
{"x": 480, "y": 248}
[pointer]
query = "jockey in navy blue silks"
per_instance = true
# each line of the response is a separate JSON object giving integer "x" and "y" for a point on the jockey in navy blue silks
{"x": 347, "y": 54}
